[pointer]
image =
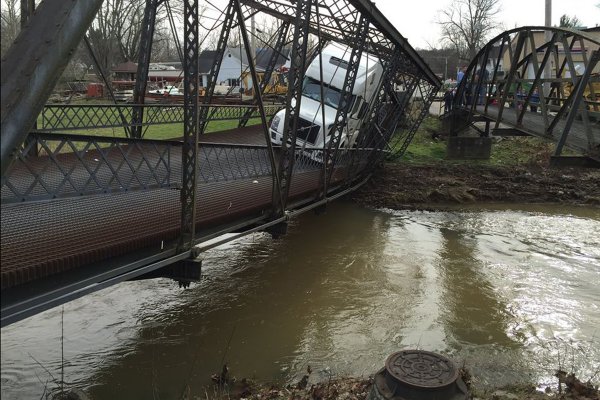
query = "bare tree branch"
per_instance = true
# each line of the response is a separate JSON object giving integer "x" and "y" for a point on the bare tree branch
{"x": 11, "y": 23}
{"x": 467, "y": 24}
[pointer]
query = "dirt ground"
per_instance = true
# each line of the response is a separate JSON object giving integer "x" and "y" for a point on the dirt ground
{"x": 400, "y": 185}
{"x": 359, "y": 389}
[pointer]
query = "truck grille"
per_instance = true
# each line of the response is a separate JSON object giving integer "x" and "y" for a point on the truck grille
{"x": 307, "y": 131}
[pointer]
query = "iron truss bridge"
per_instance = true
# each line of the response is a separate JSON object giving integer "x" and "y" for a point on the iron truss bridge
{"x": 536, "y": 81}
{"x": 90, "y": 198}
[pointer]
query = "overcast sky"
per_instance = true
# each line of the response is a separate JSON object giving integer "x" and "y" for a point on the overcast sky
{"x": 415, "y": 20}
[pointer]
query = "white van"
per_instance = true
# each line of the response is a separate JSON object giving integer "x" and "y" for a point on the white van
{"x": 310, "y": 126}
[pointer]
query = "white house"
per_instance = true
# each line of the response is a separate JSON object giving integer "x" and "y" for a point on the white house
{"x": 234, "y": 63}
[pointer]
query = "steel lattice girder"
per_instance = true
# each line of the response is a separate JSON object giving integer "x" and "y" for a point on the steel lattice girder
{"x": 294, "y": 98}
{"x": 334, "y": 24}
{"x": 346, "y": 96}
{"x": 190, "y": 127}
{"x": 26, "y": 82}
{"x": 141, "y": 78}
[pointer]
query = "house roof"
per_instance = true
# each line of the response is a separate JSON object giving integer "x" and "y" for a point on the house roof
{"x": 264, "y": 55}
{"x": 206, "y": 60}
{"x": 593, "y": 30}
{"x": 129, "y": 67}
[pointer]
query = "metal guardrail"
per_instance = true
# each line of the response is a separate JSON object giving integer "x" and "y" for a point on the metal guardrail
{"x": 61, "y": 117}
{"x": 51, "y": 166}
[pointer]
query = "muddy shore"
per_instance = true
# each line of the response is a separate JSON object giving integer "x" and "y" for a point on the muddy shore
{"x": 348, "y": 388}
{"x": 402, "y": 185}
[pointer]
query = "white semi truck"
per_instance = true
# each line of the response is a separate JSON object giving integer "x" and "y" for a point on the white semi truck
{"x": 311, "y": 132}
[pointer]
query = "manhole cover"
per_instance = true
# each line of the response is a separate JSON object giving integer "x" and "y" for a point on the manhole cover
{"x": 421, "y": 369}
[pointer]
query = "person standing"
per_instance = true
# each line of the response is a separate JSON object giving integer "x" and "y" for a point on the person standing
{"x": 459, "y": 77}
{"x": 461, "y": 74}
{"x": 535, "y": 100}
{"x": 448, "y": 99}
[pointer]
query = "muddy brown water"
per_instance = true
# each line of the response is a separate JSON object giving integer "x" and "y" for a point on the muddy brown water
{"x": 511, "y": 291}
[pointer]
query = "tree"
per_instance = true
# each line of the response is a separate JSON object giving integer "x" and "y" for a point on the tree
{"x": 569, "y": 22}
{"x": 467, "y": 24}
{"x": 11, "y": 23}
{"x": 443, "y": 62}
{"x": 116, "y": 32}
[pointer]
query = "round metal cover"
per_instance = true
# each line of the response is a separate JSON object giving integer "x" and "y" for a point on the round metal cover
{"x": 421, "y": 369}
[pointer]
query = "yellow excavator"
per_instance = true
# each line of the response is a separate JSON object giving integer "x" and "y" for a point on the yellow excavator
{"x": 277, "y": 86}
{"x": 591, "y": 92}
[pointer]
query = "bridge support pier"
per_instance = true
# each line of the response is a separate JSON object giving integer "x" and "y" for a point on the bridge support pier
{"x": 278, "y": 230}
{"x": 320, "y": 210}
{"x": 467, "y": 147}
{"x": 184, "y": 272}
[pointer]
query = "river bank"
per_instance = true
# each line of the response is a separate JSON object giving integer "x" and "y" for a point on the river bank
{"x": 518, "y": 171}
{"x": 402, "y": 185}
{"x": 348, "y": 388}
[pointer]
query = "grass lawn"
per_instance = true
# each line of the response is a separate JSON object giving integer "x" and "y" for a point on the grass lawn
{"x": 158, "y": 132}
{"x": 519, "y": 150}
{"x": 163, "y": 132}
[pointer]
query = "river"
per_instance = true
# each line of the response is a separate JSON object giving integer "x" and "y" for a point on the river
{"x": 513, "y": 292}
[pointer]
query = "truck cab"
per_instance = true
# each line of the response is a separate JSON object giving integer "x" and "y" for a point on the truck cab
{"x": 314, "y": 131}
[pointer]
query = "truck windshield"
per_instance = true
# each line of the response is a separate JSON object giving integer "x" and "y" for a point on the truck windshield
{"x": 312, "y": 89}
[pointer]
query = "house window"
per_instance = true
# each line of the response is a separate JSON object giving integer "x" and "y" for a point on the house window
{"x": 233, "y": 82}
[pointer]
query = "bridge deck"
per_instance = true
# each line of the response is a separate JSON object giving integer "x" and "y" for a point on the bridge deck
{"x": 579, "y": 138}
{"x": 46, "y": 237}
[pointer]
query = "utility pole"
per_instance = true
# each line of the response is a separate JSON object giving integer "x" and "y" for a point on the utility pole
{"x": 253, "y": 38}
{"x": 547, "y": 37}
{"x": 446, "y": 68}
{"x": 253, "y": 48}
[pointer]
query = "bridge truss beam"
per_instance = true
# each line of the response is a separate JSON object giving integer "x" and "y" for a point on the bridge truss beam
{"x": 141, "y": 78}
{"x": 337, "y": 130}
{"x": 508, "y": 83}
{"x": 294, "y": 98}
{"x": 32, "y": 66}
{"x": 102, "y": 171}
{"x": 191, "y": 126}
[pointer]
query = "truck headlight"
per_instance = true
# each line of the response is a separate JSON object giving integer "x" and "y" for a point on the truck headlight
{"x": 275, "y": 123}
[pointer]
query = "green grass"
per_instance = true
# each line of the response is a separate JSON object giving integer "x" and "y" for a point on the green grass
{"x": 172, "y": 131}
{"x": 164, "y": 132}
{"x": 523, "y": 150}
{"x": 423, "y": 148}
{"x": 157, "y": 132}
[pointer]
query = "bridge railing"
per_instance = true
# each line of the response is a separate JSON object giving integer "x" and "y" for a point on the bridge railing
{"x": 51, "y": 166}
{"x": 61, "y": 117}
